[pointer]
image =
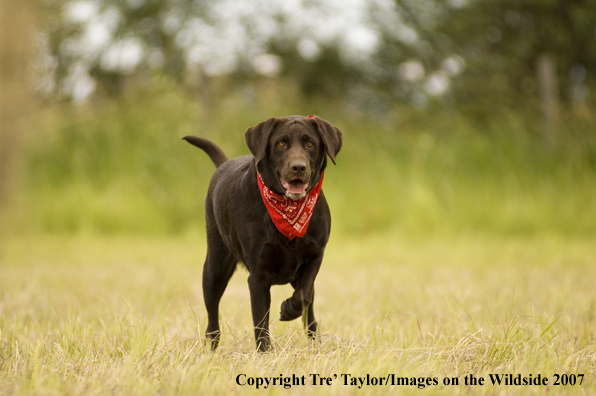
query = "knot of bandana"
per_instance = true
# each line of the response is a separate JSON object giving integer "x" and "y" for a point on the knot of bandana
{"x": 291, "y": 217}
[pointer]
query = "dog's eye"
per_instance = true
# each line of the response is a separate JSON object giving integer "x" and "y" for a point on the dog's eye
{"x": 281, "y": 144}
{"x": 309, "y": 144}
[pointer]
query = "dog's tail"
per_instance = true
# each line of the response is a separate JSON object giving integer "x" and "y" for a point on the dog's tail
{"x": 213, "y": 151}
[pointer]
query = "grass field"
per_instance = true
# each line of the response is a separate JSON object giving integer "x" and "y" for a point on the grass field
{"x": 459, "y": 247}
{"x": 96, "y": 315}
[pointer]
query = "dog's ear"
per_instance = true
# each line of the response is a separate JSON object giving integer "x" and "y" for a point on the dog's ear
{"x": 332, "y": 137}
{"x": 256, "y": 137}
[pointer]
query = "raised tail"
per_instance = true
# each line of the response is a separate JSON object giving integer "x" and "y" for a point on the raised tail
{"x": 213, "y": 151}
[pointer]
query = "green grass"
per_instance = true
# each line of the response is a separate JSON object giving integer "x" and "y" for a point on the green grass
{"x": 120, "y": 167}
{"x": 124, "y": 315}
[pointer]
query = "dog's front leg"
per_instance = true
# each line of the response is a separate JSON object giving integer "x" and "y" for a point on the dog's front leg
{"x": 302, "y": 300}
{"x": 260, "y": 302}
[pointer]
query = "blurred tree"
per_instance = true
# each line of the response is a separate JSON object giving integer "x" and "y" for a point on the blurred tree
{"x": 505, "y": 42}
{"x": 104, "y": 42}
{"x": 395, "y": 68}
{"x": 479, "y": 54}
{"x": 326, "y": 48}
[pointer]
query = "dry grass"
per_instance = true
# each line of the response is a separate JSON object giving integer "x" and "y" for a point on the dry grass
{"x": 122, "y": 316}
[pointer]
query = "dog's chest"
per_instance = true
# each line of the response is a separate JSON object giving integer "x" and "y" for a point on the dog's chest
{"x": 282, "y": 264}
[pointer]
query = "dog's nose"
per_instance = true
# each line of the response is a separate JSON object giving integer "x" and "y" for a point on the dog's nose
{"x": 298, "y": 167}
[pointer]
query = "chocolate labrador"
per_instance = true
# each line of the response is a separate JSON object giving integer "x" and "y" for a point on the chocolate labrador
{"x": 266, "y": 210}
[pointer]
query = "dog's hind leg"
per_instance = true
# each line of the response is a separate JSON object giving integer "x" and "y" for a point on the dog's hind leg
{"x": 308, "y": 319}
{"x": 219, "y": 267}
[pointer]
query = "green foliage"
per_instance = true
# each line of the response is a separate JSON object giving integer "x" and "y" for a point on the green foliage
{"x": 501, "y": 41}
{"x": 115, "y": 23}
{"x": 121, "y": 167}
{"x": 495, "y": 45}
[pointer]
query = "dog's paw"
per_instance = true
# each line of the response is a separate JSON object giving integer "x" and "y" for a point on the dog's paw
{"x": 288, "y": 312}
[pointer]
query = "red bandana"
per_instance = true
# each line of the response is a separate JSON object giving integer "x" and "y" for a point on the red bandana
{"x": 291, "y": 217}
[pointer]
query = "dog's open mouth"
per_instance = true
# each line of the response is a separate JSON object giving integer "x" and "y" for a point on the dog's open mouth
{"x": 296, "y": 189}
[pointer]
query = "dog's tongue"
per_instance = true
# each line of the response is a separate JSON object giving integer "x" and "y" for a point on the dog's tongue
{"x": 295, "y": 186}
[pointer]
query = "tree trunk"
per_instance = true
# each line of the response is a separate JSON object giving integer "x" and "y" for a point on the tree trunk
{"x": 549, "y": 95}
{"x": 15, "y": 51}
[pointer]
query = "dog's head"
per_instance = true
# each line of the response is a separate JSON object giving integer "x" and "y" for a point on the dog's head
{"x": 290, "y": 152}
